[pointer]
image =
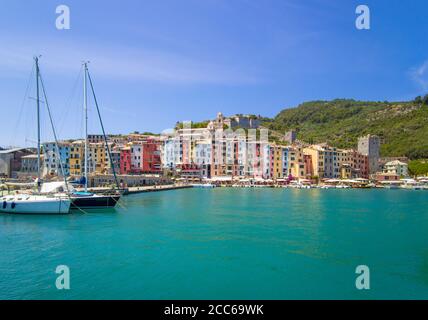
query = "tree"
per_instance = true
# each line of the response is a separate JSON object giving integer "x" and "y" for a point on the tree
{"x": 418, "y": 100}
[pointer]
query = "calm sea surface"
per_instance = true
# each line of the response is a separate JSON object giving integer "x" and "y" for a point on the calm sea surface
{"x": 224, "y": 243}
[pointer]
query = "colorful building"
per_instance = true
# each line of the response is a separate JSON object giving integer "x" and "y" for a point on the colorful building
{"x": 397, "y": 167}
{"x": 324, "y": 162}
{"x": 354, "y": 164}
{"x": 308, "y": 165}
{"x": 53, "y": 158}
{"x": 296, "y": 162}
{"x": 97, "y": 155}
{"x": 276, "y": 162}
{"x": 77, "y": 158}
{"x": 125, "y": 160}
{"x": 151, "y": 156}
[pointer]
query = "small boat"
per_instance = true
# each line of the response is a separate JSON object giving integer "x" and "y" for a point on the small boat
{"x": 342, "y": 186}
{"x": 328, "y": 186}
{"x": 391, "y": 184}
{"x": 204, "y": 185}
{"x": 411, "y": 184}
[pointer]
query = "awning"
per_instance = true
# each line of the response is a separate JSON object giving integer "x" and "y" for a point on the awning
{"x": 56, "y": 186}
{"x": 222, "y": 178}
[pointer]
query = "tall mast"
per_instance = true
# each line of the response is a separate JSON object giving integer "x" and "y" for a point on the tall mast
{"x": 85, "y": 107}
{"x": 53, "y": 128}
{"x": 102, "y": 128}
{"x": 36, "y": 60}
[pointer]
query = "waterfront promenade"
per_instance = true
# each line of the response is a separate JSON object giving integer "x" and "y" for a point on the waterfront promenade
{"x": 142, "y": 189}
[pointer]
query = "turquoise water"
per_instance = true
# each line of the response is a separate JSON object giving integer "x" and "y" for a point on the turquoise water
{"x": 224, "y": 243}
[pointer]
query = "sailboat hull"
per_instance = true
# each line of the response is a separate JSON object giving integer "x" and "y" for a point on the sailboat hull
{"x": 34, "y": 204}
{"x": 94, "y": 201}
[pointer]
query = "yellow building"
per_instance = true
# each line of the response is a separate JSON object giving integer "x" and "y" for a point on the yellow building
{"x": 76, "y": 158}
{"x": 296, "y": 162}
{"x": 317, "y": 156}
{"x": 277, "y": 161}
{"x": 97, "y": 155}
{"x": 325, "y": 160}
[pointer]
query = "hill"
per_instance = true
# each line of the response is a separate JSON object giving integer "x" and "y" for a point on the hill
{"x": 402, "y": 126}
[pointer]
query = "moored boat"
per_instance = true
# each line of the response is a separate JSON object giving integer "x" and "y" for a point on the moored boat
{"x": 411, "y": 184}
{"x": 88, "y": 200}
{"x": 391, "y": 184}
{"x": 85, "y": 199}
{"x": 34, "y": 204}
{"x": 205, "y": 185}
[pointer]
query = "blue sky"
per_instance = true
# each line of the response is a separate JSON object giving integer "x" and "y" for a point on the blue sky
{"x": 157, "y": 62}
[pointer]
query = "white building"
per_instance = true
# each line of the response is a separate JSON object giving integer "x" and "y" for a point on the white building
{"x": 266, "y": 161}
{"x": 202, "y": 152}
{"x": 397, "y": 167}
{"x": 171, "y": 153}
{"x": 136, "y": 156}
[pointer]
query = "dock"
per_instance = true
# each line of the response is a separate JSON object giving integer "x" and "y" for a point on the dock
{"x": 134, "y": 190}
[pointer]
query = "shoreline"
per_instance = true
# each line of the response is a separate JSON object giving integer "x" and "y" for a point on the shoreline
{"x": 169, "y": 187}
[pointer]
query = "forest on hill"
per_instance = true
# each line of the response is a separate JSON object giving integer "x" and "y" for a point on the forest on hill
{"x": 402, "y": 126}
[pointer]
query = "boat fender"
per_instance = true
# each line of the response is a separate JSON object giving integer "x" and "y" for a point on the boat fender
{"x": 4, "y": 204}
{"x": 13, "y": 205}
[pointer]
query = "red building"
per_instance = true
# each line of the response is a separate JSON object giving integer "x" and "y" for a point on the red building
{"x": 308, "y": 165}
{"x": 384, "y": 176}
{"x": 360, "y": 163}
{"x": 141, "y": 157}
{"x": 151, "y": 157}
{"x": 190, "y": 171}
{"x": 125, "y": 160}
{"x": 355, "y": 163}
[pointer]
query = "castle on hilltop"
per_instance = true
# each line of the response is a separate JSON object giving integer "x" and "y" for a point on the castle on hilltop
{"x": 236, "y": 121}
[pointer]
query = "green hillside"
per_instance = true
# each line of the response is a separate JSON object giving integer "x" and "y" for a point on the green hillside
{"x": 402, "y": 126}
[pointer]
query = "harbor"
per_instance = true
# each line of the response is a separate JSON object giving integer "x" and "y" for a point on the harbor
{"x": 97, "y": 171}
{"x": 234, "y": 243}
{"x": 210, "y": 159}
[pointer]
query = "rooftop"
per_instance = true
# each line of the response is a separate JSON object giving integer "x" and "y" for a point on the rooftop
{"x": 13, "y": 150}
{"x": 395, "y": 163}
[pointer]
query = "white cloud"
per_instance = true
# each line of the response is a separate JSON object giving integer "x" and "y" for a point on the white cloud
{"x": 420, "y": 75}
{"x": 120, "y": 62}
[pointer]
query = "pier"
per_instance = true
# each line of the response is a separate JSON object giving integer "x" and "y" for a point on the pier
{"x": 153, "y": 188}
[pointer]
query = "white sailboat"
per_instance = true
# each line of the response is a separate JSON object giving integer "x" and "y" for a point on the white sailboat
{"x": 36, "y": 203}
